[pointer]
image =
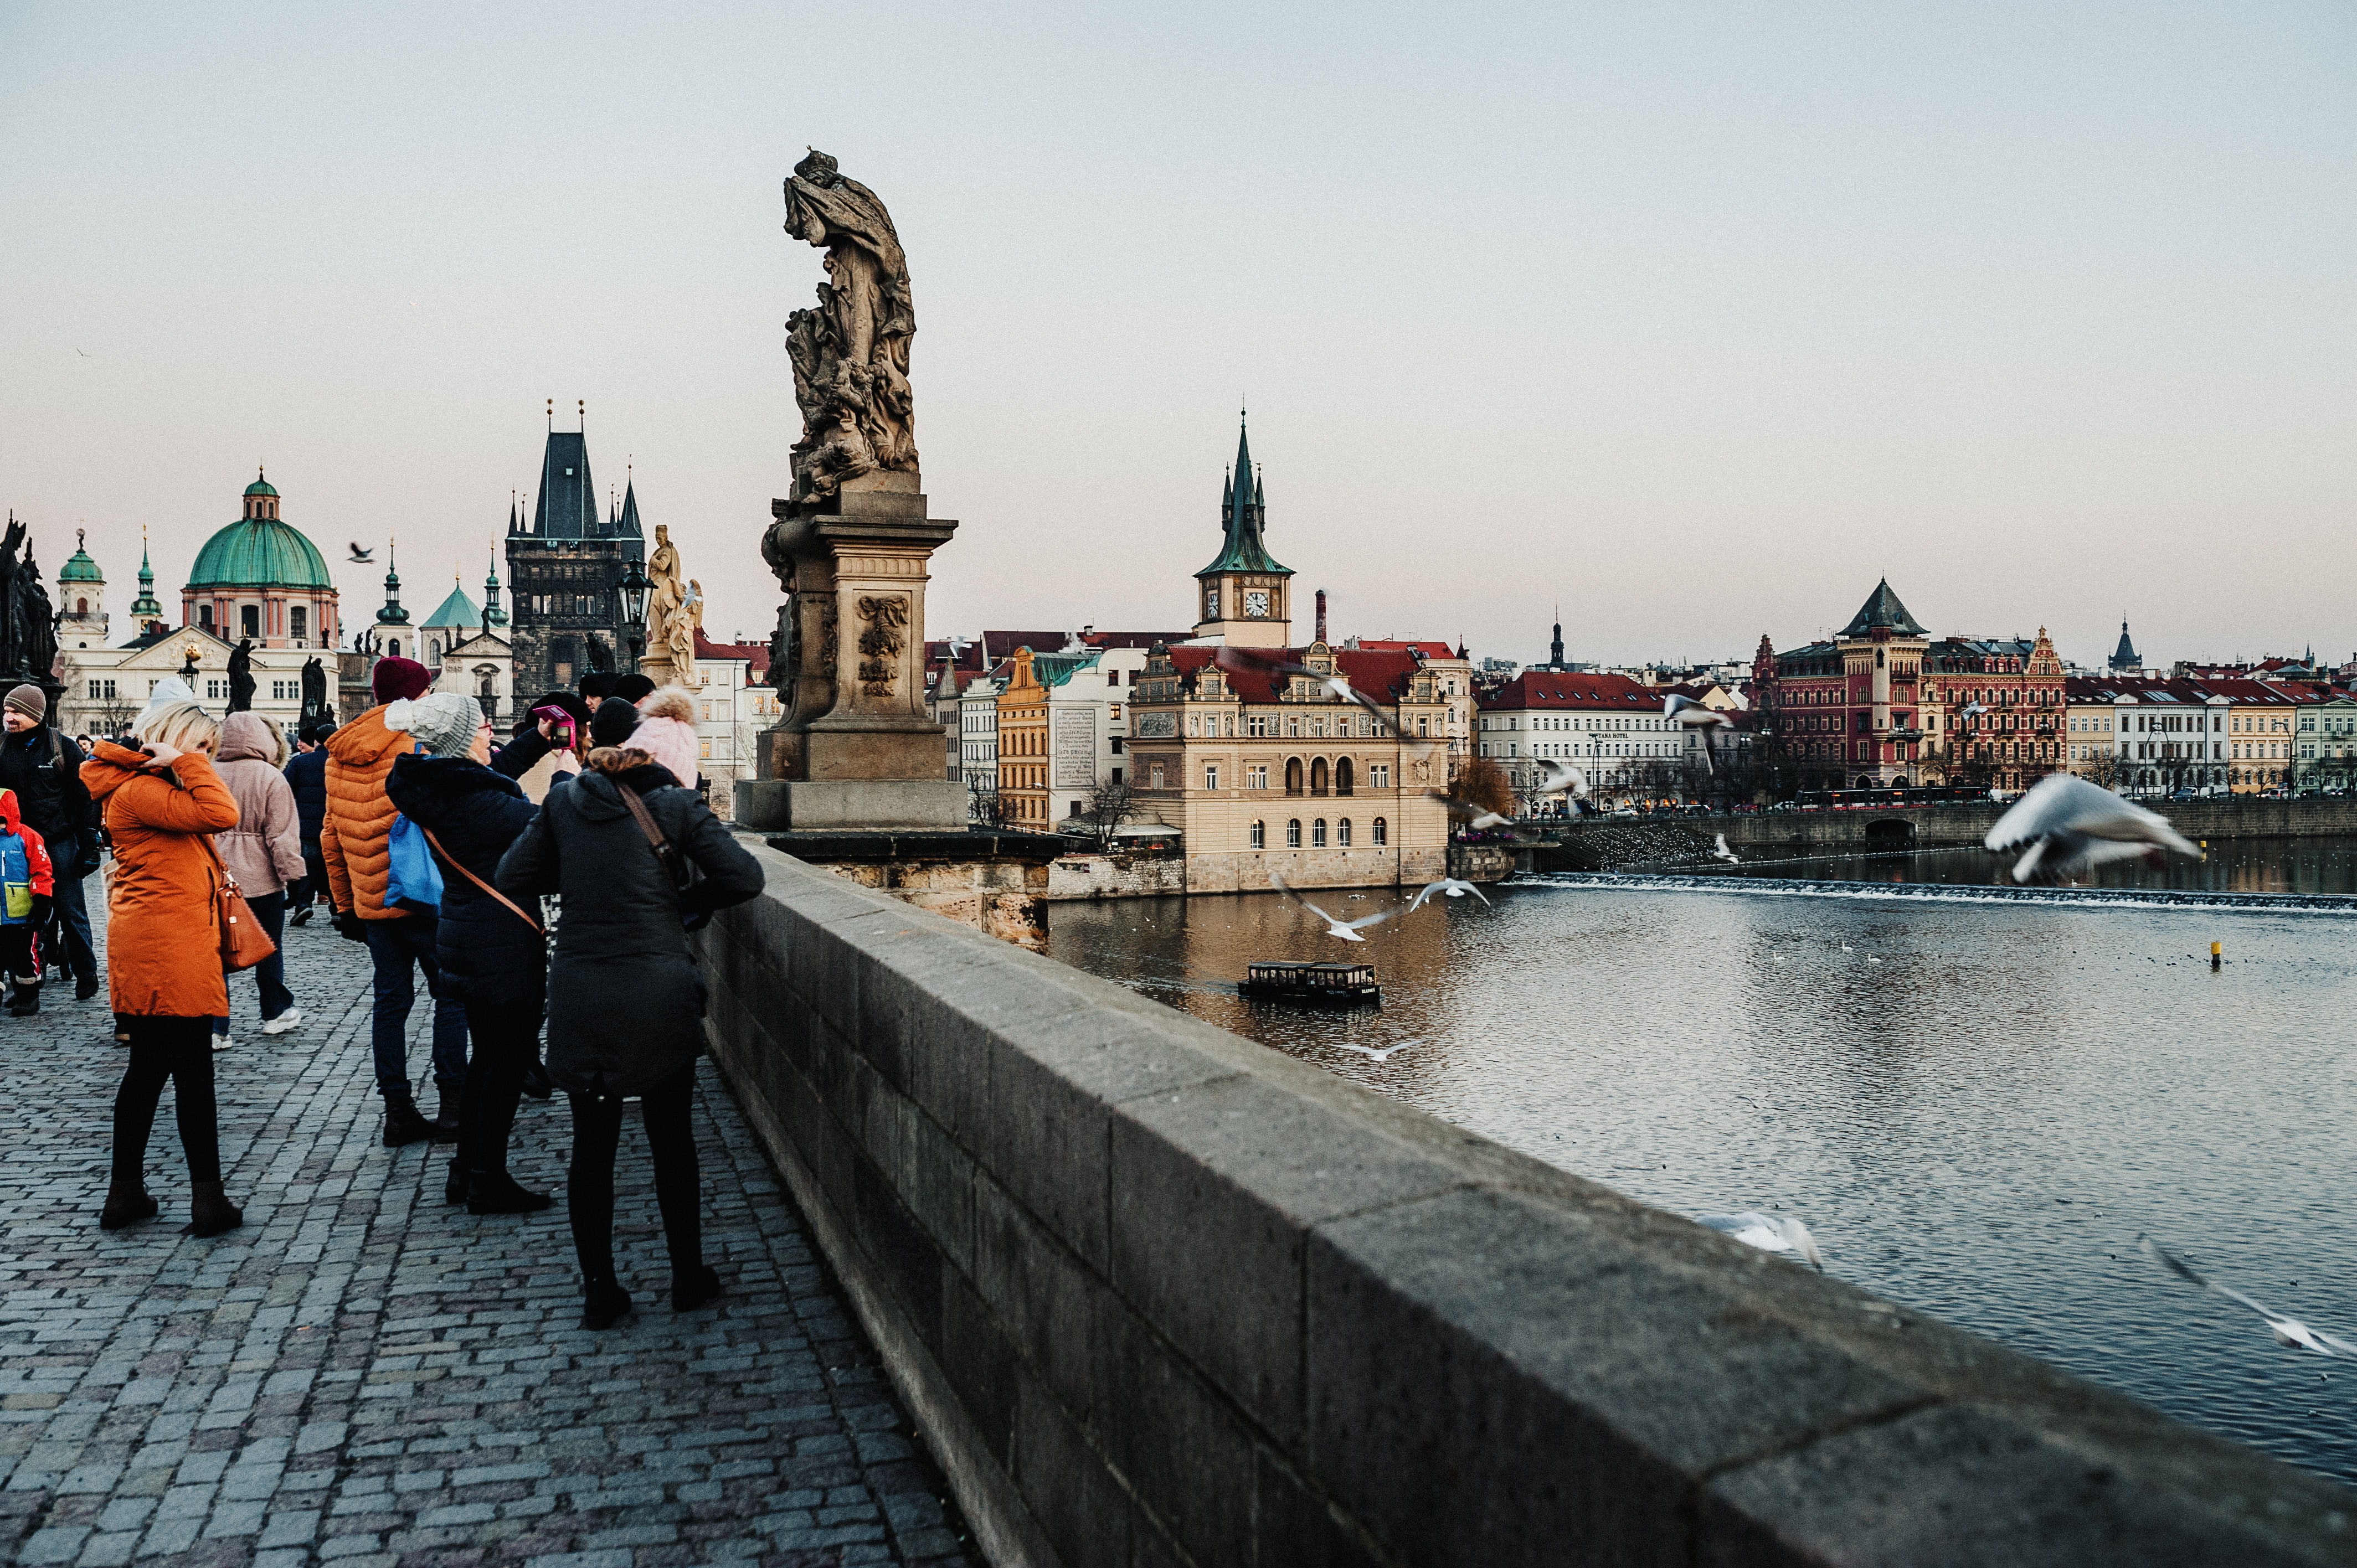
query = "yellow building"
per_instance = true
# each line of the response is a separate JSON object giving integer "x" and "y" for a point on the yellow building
{"x": 1262, "y": 772}
{"x": 1023, "y": 746}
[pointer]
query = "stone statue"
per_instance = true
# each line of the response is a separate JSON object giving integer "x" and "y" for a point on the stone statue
{"x": 28, "y": 623}
{"x": 851, "y": 353}
{"x": 240, "y": 676}
{"x": 316, "y": 716}
{"x": 682, "y": 630}
{"x": 673, "y": 613}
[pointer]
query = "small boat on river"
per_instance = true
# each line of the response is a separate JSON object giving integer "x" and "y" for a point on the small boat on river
{"x": 1343, "y": 983}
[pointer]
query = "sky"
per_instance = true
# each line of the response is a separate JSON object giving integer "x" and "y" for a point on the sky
{"x": 1694, "y": 320}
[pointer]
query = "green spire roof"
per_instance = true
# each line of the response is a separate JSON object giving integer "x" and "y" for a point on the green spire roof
{"x": 456, "y": 610}
{"x": 145, "y": 607}
{"x": 78, "y": 566}
{"x": 1882, "y": 609}
{"x": 1243, "y": 512}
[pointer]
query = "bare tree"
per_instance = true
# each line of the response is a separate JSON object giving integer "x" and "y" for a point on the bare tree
{"x": 984, "y": 807}
{"x": 1107, "y": 807}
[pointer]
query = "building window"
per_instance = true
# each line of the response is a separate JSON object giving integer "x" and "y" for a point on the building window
{"x": 1318, "y": 833}
{"x": 1379, "y": 777}
{"x": 298, "y": 622}
{"x": 1257, "y": 725}
{"x": 1154, "y": 776}
{"x": 1342, "y": 833}
{"x": 1260, "y": 835}
{"x": 205, "y": 616}
{"x": 1292, "y": 833}
{"x": 1211, "y": 776}
{"x": 215, "y": 688}
{"x": 1256, "y": 778}
{"x": 1342, "y": 778}
{"x": 1379, "y": 833}
{"x": 1318, "y": 776}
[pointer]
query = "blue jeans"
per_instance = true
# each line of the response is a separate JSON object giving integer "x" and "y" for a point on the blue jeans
{"x": 73, "y": 914}
{"x": 270, "y": 914}
{"x": 395, "y": 945}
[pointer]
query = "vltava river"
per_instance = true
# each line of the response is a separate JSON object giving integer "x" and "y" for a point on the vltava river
{"x": 1976, "y": 1106}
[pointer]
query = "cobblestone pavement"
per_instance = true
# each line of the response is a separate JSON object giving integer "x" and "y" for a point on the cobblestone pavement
{"x": 363, "y": 1377}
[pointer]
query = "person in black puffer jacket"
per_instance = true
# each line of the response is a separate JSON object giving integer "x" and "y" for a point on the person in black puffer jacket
{"x": 626, "y": 1005}
{"x": 307, "y": 775}
{"x": 492, "y": 954}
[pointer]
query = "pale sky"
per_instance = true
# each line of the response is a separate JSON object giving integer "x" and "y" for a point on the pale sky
{"x": 1695, "y": 319}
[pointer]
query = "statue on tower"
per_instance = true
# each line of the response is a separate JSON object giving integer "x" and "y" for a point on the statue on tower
{"x": 850, "y": 354}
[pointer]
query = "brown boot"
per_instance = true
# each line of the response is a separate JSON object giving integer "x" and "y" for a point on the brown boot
{"x": 125, "y": 1206}
{"x": 209, "y": 1211}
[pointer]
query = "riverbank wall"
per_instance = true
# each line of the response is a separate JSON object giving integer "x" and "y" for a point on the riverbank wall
{"x": 1157, "y": 1295}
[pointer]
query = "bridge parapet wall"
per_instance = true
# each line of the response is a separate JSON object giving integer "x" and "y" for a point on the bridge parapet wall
{"x": 1160, "y": 1295}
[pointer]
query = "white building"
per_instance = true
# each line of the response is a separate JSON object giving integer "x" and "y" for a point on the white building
{"x": 1607, "y": 727}
{"x": 734, "y": 704}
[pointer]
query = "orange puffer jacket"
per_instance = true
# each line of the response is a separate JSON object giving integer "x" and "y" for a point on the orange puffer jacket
{"x": 163, "y": 901}
{"x": 355, "y": 835}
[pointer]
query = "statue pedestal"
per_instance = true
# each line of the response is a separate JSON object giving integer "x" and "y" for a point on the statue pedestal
{"x": 856, "y": 751}
{"x": 663, "y": 672}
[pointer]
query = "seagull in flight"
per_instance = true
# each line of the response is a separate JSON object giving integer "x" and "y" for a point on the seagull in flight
{"x": 2071, "y": 826}
{"x": 1450, "y": 886}
{"x": 2287, "y": 1331}
{"x": 1243, "y": 660}
{"x": 1383, "y": 1053}
{"x": 1769, "y": 1232}
{"x": 1690, "y": 714}
{"x": 361, "y": 556}
{"x": 1467, "y": 815}
{"x": 1973, "y": 710}
{"x": 1722, "y": 852}
{"x": 1348, "y": 930}
{"x": 1558, "y": 778}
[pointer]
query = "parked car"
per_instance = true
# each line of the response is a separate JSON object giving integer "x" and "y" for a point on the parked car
{"x": 2188, "y": 793}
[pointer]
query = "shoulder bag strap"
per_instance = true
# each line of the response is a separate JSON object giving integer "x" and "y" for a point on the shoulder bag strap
{"x": 665, "y": 850}
{"x": 478, "y": 881}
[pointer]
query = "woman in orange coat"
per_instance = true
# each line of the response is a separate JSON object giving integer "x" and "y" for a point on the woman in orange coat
{"x": 163, "y": 950}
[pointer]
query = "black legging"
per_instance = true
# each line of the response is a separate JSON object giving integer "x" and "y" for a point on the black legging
{"x": 182, "y": 1051}
{"x": 589, "y": 1186}
{"x": 506, "y": 1037}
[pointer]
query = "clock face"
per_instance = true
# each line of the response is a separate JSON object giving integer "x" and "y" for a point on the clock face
{"x": 1256, "y": 603}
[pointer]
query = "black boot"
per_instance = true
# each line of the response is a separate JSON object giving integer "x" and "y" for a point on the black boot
{"x": 403, "y": 1125}
{"x": 454, "y": 1185}
{"x": 125, "y": 1206}
{"x": 445, "y": 1114}
{"x": 604, "y": 1303}
{"x": 496, "y": 1192}
{"x": 85, "y": 988}
{"x": 693, "y": 1288}
{"x": 535, "y": 1079}
{"x": 25, "y": 1000}
{"x": 209, "y": 1211}
{"x": 302, "y": 916}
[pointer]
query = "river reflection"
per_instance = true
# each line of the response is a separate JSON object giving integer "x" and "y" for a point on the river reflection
{"x": 1976, "y": 1107}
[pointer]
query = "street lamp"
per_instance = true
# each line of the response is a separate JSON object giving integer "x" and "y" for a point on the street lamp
{"x": 634, "y": 586}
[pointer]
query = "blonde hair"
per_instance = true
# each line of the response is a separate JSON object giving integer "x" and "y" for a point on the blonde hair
{"x": 182, "y": 725}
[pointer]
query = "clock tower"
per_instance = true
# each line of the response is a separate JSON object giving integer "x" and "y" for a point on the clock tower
{"x": 1244, "y": 596}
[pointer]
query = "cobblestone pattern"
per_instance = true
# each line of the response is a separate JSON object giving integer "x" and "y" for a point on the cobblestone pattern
{"x": 364, "y": 1377}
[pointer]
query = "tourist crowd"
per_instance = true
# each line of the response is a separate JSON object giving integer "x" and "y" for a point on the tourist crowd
{"x": 548, "y": 881}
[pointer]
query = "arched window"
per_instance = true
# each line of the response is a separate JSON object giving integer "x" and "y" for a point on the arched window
{"x": 1379, "y": 833}
{"x": 1260, "y": 835}
{"x": 1318, "y": 833}
{"x": 1342, "y": 833}
{"x": 393, "y": 649}
{"x": 1292, "y": 833}
{"x": 1342, "y": 780}
{"x": 1318, "y": 776}
{"x": 1293, "y": 775}
{"x": 81, "y": 607}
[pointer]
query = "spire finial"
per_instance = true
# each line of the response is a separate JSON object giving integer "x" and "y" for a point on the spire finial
{"x": 552, "y": 416}
{"x": 581, "y": 406}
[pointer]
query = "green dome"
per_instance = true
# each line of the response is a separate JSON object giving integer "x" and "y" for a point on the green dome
{"x": 80, "y": 568}
{"x": 261, "y": 486}
{"x": 259, "y": 553}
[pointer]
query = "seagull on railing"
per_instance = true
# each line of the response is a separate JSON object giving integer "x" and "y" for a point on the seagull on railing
{"x": 2287, "y": 1331}
{"x": 2073, "y": 826}
{"x": 1348, "y": 930}
{"x": 1769, "y": 1232}
{"x": 1450, "y": 886}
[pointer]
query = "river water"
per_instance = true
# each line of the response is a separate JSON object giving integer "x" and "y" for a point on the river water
{"x": 2301, "y": 865}
{"x": 1977, "y": 1103}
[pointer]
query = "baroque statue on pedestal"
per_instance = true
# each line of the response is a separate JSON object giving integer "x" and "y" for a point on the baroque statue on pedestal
{"x": 850, "y": 353}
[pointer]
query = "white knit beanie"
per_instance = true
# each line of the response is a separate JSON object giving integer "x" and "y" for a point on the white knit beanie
{"x": 444, "y": 722}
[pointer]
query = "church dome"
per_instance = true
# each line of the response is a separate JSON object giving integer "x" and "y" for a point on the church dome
{"x": 80, "y": 568}
{"x": 260, "y": 552}
{"x": 261, "y": 486}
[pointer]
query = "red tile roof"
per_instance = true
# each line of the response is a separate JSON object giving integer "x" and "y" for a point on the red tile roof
{"x": 1590, "y": 692}
{"x": 1378, "y": 674}
{"x": 756, "y": 654}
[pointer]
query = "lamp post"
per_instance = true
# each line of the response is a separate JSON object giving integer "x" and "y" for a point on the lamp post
{"x": 634, "y": 586}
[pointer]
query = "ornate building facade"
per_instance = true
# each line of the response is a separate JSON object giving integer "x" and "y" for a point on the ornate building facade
{"x": 262, "y": 580}
{"x": 565, "y": 564}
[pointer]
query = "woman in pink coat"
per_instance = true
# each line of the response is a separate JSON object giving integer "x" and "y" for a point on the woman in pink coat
{"x": 263, "y": 852}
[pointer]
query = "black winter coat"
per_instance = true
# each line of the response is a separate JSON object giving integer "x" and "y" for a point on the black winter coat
{"x": 487, "y": 952}
{"x": 51, "y": 799}
{"x": 307, "y": 775}
{"x": 625, "y": 1002}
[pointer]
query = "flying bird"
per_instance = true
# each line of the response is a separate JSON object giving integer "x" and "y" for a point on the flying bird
{"x": 1243, "y": 660}
{"x": 1690, "y": 714}
{"x": 2073, "y": 826}
{"x": 1769, "y": 1232}
{"x": 1380, "y": 1054}
{"x": 1450, "y": 886}
{"x": 1559, "y": 779}
{"x": 1973, "y": 710}
{"x": 2287, "y": 1331}
{"x": 1722, "y": 852}
{"x": 1466, "y": 814}
{"x": 85, "y": 353}
{"x": 1348, "y": 930}
{"x": 361, "y": 556}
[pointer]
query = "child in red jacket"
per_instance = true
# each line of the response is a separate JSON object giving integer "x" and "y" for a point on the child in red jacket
{"x": 25, "y": 885}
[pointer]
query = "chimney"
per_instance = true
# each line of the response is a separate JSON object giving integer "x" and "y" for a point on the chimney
{"x": 1321, "y": 615}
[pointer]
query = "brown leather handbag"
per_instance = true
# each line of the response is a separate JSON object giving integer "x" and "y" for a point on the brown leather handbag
{"x": 243, "y": 942}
